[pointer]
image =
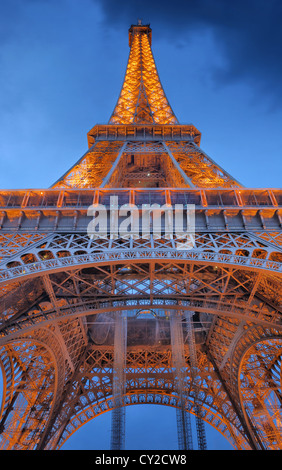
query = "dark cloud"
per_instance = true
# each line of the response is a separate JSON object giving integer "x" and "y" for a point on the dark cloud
{"x": 248, "y": 33}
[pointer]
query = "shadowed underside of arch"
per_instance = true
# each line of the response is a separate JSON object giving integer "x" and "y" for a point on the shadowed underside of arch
{"x": 79, "y": 305}
{"x": 207, "y": 283}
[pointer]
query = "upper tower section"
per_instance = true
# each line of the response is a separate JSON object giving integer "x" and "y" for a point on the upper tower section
{"x": 143, "y": 145}
{"x": 142, "y": 99}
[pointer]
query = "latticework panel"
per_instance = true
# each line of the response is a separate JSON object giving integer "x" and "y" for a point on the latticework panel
{"x": 35, "y": 369}
{"x": 260, "y": 390}
{"x": 149, "y": 379}
{"x": 199, "y": 167}
{"x": 35, "y": 380}
{"x": 142, "y": 99}
{"x": 238, "y": 247}
{"x": 92, "y": 168}
{"x": 11, "y": 243}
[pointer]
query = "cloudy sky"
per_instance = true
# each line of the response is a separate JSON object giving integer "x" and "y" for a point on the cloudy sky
{"x": 62, "y": 64}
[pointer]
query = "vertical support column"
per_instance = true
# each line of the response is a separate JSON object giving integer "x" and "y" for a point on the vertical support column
{"x": 184, "y": 428}
{"x": 200, "y": 425}
{"x": 118, "y": 413}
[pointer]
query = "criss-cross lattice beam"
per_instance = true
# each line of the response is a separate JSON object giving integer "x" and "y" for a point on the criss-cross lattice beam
{"x": 142, "y": 98}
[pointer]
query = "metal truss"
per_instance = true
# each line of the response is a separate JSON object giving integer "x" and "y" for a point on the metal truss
{"x": 117, "y": 164}
{"x": 145, "y": 383}
{"x": 202, "y": 170}
{"x": 142, "y": 98}
{"x": 90, "y": 325}
{"x": 90, "y": 170}
{"x": 244, "y": 303}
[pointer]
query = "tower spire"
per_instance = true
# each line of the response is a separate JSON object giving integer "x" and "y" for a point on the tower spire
{"x": 142, "y": 98}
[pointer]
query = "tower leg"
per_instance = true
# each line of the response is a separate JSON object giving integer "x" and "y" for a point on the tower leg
{"x": 118, "y": 414}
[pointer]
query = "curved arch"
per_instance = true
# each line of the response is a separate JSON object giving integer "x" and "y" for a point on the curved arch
{"x": 28, "y": 258}
{"x": 276, "y": 256}
{"x": 259, "y": 253}
{"x": 63, "y": 253}
{"x": 259, "y": 386}
{"x": 13, "y": 264}
{"x": 214, "y": 307}
{"x": 142, "y": 292}
{"x": 45, "y": 254}
{"x": 35, "y": 366}
{"x": 172, "y": 259}
{"x": 146, "y": 382}
{"x": 50, "y": 264}
{"x": 161, "y": 398}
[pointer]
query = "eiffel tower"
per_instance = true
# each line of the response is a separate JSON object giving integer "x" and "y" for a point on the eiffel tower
{"x": 95, "y": 321}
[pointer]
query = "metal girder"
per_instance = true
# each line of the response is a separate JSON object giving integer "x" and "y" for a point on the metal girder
{"x": 61, "y": 290}
{"x": 142, "y": 99}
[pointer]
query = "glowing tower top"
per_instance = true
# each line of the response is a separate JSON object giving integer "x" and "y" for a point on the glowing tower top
{"x": 142, "y": 99}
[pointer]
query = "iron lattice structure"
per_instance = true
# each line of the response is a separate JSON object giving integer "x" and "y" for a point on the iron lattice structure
{"x": 96, "y": 324}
